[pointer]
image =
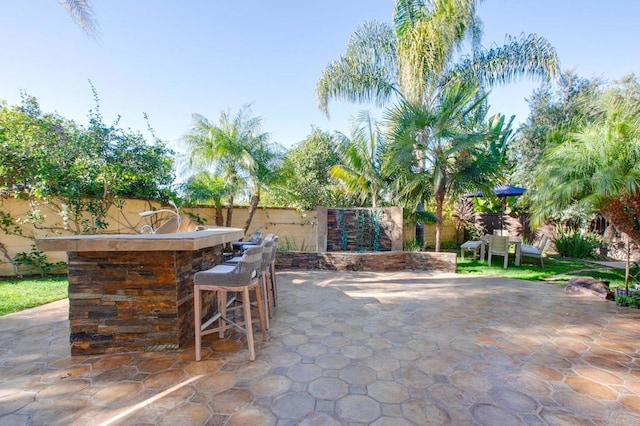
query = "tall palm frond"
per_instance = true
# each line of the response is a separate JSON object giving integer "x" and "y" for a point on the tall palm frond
{"x": 81, "y": 12}
{"x": 365, "y": 73}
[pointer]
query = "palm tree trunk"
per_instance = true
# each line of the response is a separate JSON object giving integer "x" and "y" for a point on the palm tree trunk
{"x": 253, "y": 206}
{"x": 229, "y": 212}
{"x": 219, "y": 218}
{"x": 614, "y": 211}
{"x": 439, "y": 206}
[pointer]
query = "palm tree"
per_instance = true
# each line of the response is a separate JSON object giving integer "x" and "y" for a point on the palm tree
{"x": 361, "y": 170}
{"x": 81, "y": 12}
{"x": 598, "y": 169}
{"x": 209, "y": 189}
{"x": 445, "y": 148}
{"x": 424, "y": 51}
{"x": 236, "y": 149}
{"x": 418, "y": 62}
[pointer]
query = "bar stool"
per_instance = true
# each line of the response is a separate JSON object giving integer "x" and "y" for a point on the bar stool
{"x": 242, "y": 277}
{"x": 265, "y": 269}
{"x": 272, "y": 287}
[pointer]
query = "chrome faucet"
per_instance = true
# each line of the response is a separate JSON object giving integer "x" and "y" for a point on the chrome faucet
{"x": 148, "y": 213}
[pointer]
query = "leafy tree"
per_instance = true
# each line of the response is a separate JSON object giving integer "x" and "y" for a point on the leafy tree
{"x": 446, "y": 148}
{"x": 80, "y": 171}
{"x": 238, "y": 150}
{"x": 305, "y": 181}
{"x": 360, "y": 170}
{"x": 556, "y": 110}
{"x": 598, "y": 168}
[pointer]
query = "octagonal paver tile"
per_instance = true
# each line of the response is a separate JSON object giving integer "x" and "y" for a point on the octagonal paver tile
{"x": 329, "y": 361}
{"x": 387, "y": 391}
{"x": 230, "y": 401}
{"x": 382, "y": 363}
{"x": 284, "y": 359}
{"x": 251, "y": 416}
{"x": 490, "y": 415}
{"x": 216, "y": 382}
{"x": 304, "y": 372}
{"x": 294, "y": 339}
{"x": 591, "y": 388}
{"x": 357, "y": 375}
{"x": 164, "y": 379}
{"x": 311, "y": 349}
{"x": 271, "y": 386}
{"x": 328, "y": 388}
{"x": 319, "y": 419}
{"x": 357, "y": 351}
{"x": 117, "y": 394}
{"x": 425, "y": 412}
{"x": 516, "y": 401}
{"x": 293, "y": 405}
{"x": 358, "y": 408}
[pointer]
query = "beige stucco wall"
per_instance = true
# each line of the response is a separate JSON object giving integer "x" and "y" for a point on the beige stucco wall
{"x": 297, "y": 230}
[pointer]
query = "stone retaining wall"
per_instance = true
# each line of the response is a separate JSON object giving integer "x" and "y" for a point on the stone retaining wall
{"x": 374, "y": 261}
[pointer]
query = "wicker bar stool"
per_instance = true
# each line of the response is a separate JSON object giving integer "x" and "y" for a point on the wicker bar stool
{"x": 272, "y": 287}
{"x": 265, "y": 269}
{"x": 242, "y": 277}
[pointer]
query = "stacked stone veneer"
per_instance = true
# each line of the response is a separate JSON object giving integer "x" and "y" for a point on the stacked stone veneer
{"x": 359, "y": 229}
{"x": 385, "y": 261}
{"x": 134, "y": 301}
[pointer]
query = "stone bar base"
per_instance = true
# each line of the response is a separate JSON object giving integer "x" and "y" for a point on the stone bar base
{"x": 374, "y": 261}
{"x": 133, "y": 301}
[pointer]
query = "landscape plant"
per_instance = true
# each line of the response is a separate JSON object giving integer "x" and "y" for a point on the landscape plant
{"x": 420, "y": 59}
{"x": 596, "y": 169}
{"x": 76, "y": 171}
{"x": 576, "y": 244}
{"x": 237, "y": 150}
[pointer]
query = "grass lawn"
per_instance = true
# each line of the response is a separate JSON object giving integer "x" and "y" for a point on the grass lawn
{"x": 18, "y": 294}
{"x": 556, "y": 270}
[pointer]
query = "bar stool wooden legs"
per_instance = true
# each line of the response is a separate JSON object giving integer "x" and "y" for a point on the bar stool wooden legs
{"x": 221, "y": 279}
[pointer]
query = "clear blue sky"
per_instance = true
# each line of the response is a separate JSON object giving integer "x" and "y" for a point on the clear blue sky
{"x": 174, "y": 58}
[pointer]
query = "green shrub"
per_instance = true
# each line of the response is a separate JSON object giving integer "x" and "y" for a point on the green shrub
{"x": 632, "y": 301}
{"x": 286, "y": 244}
{"x": 36, "y": 263}
{"x": 576, "y": 244}
{"x": 412, "y": 245}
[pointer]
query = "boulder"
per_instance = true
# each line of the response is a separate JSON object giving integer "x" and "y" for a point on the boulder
{"x": 590, "y": 287}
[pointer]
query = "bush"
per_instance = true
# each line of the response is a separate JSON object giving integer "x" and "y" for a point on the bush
{"x": 412, "y": 245}
{"x": 576, "y": 244}
{"x": 632, "y": 300}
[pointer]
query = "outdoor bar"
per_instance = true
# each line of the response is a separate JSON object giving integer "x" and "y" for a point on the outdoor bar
{"x": 135, "y": 292}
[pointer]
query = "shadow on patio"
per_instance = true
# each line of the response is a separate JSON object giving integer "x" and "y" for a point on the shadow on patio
{"x": 350, "y": 347}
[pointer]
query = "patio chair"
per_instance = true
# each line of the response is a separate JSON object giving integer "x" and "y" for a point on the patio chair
{"x": 470, "y": 246}
{"x": 242, "y": 277}
{"x": 501, "y": 232}
{"x": 499, "y": 246}
{"x": 535, "y": 250}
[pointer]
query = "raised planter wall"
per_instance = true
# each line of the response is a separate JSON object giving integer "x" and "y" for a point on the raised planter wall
{"x": 373, "y": 261}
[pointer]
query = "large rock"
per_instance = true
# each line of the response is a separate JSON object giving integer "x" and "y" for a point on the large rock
{"x": 590, "y": 287}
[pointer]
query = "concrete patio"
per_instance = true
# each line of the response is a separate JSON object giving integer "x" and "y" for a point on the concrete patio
{"x": 350, "y": 348}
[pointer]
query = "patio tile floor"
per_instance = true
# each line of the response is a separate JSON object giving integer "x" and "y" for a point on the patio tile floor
{"x": 349, "y": 349}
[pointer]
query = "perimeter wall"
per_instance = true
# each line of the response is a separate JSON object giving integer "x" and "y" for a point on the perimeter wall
{"x": 297, "y": 230}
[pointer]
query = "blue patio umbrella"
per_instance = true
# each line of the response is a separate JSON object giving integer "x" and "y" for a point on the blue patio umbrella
{"x": 501, "y": 191}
